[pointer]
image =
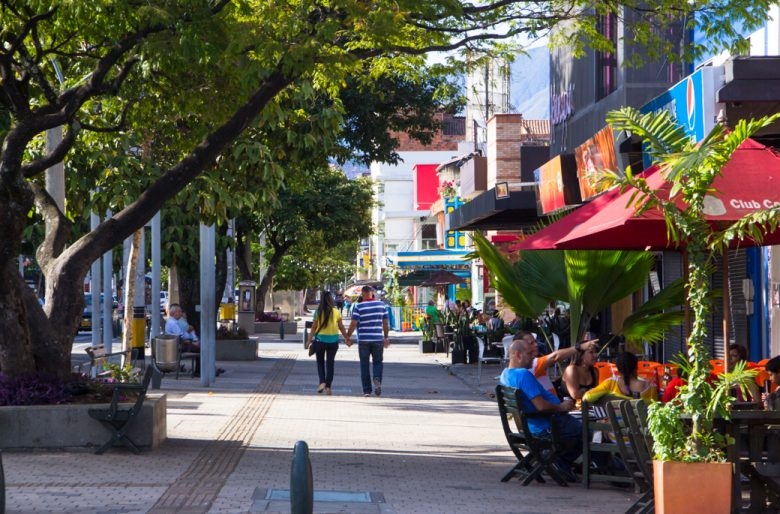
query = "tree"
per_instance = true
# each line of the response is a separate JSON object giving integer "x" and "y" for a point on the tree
{"x": 691, "y": 168}
{"x": 220, "y": 64}
{"x": 325, "y": 206}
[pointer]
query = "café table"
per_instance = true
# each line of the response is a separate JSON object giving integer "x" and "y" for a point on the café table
{"x": 754, "y": 424}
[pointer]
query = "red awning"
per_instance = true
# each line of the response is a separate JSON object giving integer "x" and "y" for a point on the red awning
{"x": 750, "y": 181}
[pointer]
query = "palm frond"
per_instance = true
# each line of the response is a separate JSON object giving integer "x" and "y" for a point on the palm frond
{"x": 660, "y": 132}
{"x": 599, "y": 278}
{"x": 506, "y": 279}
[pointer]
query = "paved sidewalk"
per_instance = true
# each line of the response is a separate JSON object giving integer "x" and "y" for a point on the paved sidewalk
{"x": 431, "y": 443}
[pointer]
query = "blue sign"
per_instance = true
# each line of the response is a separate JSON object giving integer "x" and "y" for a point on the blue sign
{"x": 691, "y": 102}
{"x": 684, "y": 103}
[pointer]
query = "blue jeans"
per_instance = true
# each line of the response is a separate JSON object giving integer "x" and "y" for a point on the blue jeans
{"x": 570, "y": 434}
{"x": 374, "y": 351}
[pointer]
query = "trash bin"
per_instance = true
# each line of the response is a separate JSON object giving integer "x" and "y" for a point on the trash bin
{"x": 166, "y": 356}
{"x": 227, "y": 311}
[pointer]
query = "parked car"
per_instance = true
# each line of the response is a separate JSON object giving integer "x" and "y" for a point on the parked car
{"x": 86, "y": 318}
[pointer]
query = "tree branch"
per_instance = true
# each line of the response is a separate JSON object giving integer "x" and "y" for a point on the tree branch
{"x": 58, "y": 154}
{"x": 58, "y": 227}
{"x": 115, "y": 128}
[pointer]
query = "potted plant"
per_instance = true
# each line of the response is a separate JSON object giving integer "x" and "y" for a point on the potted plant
{"x": 689, "y": 452}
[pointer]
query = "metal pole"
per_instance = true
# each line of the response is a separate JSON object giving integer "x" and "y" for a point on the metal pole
{"x": 155, "y": 277}
{"x": 95, "y": 287}
{"x": 301, "y": 483}
{"x": 726, "y": 311}
{"x": 207, "y": 305}
{"x": 108, "y": 294}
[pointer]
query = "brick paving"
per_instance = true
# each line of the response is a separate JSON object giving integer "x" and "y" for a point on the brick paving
{"x": 431, "y": 443}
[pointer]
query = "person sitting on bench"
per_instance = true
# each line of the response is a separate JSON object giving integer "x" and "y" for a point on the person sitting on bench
{"x": 189, "y": 341}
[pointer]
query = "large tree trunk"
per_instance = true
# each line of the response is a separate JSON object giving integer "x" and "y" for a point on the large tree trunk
{"x": 243, "y": 254}
{"x": 66, "y": 272}
{"x": 189, "y": 296}
{"x": 265, "y": 284}
{"x": 16, "y": 354}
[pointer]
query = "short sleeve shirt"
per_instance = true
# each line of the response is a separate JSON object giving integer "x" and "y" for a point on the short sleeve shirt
{"x": 523, "y": 379}
{"x": 433, "y": 312}
{"x": 369, "y": 316}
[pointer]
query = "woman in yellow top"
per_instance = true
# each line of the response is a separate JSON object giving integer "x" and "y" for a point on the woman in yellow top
{"x": 325, "y": 331}
{"x": 627, "y": 385}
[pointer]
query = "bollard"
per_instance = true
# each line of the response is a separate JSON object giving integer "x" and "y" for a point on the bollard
{"x": 281, "y": 330}
{"x": 301, "y": 485}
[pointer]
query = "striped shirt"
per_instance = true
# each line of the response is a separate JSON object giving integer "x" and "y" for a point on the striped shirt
{"x": 369, "y": 315}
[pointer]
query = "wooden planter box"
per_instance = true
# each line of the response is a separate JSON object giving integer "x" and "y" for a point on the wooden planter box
{"x": 69, "y": 426}
{"x": 685, "y": 487}
{"x": 236, "y": 349}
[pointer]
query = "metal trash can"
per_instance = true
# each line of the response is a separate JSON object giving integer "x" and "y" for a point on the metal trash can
{"x": 166, "y": 352}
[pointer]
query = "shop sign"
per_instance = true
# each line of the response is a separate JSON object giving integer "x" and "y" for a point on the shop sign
{"x": 593, "y": 157}
{"x": 691, "y": 101}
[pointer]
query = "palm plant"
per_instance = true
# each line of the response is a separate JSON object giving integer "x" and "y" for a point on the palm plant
{"x": 691, "y": 168}
{"x": 588, "y": 280}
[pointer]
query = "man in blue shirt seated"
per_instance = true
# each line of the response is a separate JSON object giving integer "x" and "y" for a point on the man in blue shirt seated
{"x": 537, "y": 399}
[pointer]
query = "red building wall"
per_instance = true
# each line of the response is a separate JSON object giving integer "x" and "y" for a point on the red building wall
{"x": 426, "y": 186}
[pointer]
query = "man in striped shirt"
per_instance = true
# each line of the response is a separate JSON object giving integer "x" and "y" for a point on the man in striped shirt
{"x": 370, "y": 319}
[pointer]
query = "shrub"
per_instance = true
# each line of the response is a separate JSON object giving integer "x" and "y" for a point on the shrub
{"x": 32, "y": 390}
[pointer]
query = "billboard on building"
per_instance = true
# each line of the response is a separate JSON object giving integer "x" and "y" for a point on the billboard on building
{"x": 593, "y": 156}
{"x": 558, "y": 185}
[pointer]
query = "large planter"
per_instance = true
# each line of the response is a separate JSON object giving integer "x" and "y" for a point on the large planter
{"x": 236, "y": 349}
{"x": 69, "y": 426}
{"x": 685, "y": 487}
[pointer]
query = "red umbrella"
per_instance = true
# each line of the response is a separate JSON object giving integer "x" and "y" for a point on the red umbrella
{"x": 749, "y": 182}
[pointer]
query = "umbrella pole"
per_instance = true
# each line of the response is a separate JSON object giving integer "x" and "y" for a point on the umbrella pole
{"x": 726, "y": 309}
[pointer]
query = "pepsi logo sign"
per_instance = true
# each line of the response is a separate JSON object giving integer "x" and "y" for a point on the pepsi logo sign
{"x": 690, "y": 104}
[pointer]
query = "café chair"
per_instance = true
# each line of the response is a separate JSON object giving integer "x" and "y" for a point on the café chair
{"x": 606, "y": 370}
{"x": 717, "y": 366}
{"x": 543, "y": 451}
{"x": 632, "y": 458}
{"x": 486, "y": 360}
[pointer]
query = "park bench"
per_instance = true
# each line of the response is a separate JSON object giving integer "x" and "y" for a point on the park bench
{"x": 118, "y": 418}
{"x": 99, "y": 357}
{"x": 540, "y": 453}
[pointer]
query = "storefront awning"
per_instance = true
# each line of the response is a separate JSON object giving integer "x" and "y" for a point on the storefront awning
{"x": 430, "y": 259}
{"x": 486, "y": 212}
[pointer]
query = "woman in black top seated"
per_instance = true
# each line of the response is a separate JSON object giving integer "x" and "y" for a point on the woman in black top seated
{"x": 580, "y": 376}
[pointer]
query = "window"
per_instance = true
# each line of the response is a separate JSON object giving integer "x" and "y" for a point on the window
{"x": 606, "y": 62}
{"x": 428, "y": 234}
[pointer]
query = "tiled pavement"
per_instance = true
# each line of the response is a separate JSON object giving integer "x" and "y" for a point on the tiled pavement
{"x": 431, "y": 443}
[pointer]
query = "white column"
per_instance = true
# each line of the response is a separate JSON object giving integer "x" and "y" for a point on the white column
{"x": 155, "y": 276}
{"x": 207, "y": 306}
{"x": 55, "y": 175}
{"x": 95, "y": 288}
{"x": 108, "y": 295}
